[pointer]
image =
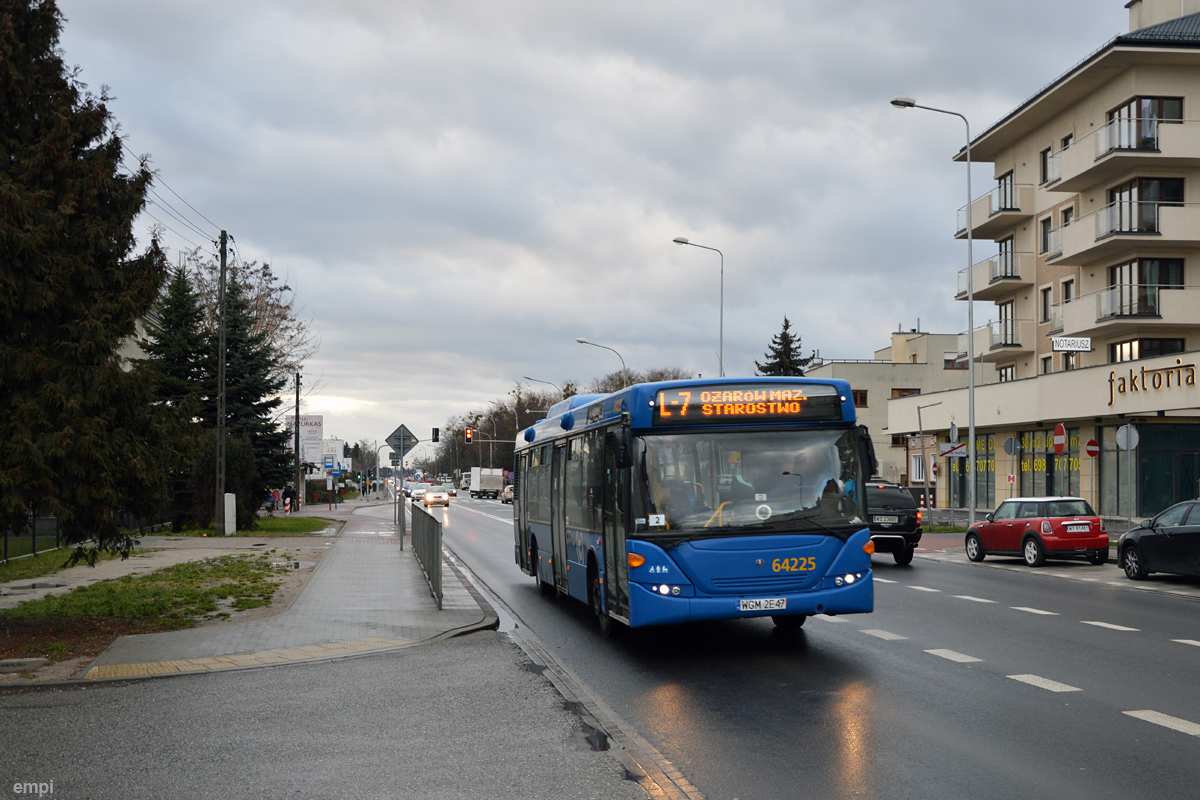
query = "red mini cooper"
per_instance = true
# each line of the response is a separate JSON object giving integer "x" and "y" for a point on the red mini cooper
{"x": 1038, "y": 528}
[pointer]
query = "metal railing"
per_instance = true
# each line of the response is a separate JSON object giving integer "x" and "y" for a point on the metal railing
{"x": 427, "y": 544}
{"x": 1128, "y": 216}
{"x": 1129, "y": 133}
{"x": 39, "y": 535}
{"x": 1005, "y": 197}
{"x": 1000, "y": 266}
{"x": 1053, "y": 168}
{"x": 1128, "y": 300}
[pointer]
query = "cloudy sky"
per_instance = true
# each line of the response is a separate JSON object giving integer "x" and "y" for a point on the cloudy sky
{"x": 457, "y": 190}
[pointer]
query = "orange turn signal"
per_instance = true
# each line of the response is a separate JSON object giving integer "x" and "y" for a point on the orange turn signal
{"x": 869, "y": 547}
{"x": 635, "y": 560}
{"x": 918, "y": 516}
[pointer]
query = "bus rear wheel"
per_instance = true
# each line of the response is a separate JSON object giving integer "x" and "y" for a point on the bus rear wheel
{"x": 789, "y": 622}
{"x": 596, "y": 596}
{"x": 535, "y": 563}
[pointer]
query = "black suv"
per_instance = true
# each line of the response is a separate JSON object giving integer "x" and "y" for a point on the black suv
{"x": 894, "y": 519}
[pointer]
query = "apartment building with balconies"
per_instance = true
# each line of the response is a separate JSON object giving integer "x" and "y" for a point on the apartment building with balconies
{"x": 1092, "y": 232}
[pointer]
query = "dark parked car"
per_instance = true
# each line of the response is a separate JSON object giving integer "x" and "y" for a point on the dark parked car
{"x": 894, "y": 519}
{"x": 1037, "y": 528}
{"x": 1168, "y": 543}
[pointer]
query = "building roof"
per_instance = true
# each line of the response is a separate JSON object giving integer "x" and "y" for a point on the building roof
{"x": 1180, "y": 33}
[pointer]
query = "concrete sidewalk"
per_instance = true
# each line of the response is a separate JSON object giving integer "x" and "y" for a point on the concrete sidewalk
{"x": 366, "y": 595}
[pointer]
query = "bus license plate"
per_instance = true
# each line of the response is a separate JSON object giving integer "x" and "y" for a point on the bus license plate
{"x": 886, "y": 519}
{"x": 763, "y": 604}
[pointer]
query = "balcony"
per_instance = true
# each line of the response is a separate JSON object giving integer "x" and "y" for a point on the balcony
{"x": 1000, "y": 341}
{"x": 1127, "y": 144}
{"x": 998, "y": 276}
{"x": 1129, "y": 307}
{"x": 1124, "y": 227}
{"x": 997, "y": 211}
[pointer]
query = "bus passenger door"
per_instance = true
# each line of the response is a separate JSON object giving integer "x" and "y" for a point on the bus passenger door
{"x": 558, "y": 511}
{"x": 520, "y": 518}
{"x": 616, "y": 567}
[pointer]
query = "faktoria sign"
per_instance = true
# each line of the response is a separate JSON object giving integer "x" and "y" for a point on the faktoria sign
{"x": 1145, "y": 380}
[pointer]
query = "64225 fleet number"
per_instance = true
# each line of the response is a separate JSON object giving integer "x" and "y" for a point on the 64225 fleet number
{"x": 794, "y": 564}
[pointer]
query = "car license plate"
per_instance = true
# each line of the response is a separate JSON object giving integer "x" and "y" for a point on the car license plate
{"x": 886, "y": 519}
{"x": 1078, "y": 528}
{"x": 763, "y": 604}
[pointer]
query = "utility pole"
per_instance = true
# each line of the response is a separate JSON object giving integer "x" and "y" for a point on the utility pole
{"x": 220, "y": 520}
{"x": 299, "y": 455}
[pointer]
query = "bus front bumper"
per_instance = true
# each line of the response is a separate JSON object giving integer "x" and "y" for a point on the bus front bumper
{"x": 650, "y": 608}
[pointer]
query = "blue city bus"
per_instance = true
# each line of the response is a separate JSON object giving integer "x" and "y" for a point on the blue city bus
{"x": 694, "y": 500}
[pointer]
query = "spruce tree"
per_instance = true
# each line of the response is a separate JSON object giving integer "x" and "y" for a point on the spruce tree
{"x": 253, "y": 383}
{"x": 784, "y": 357}
{"x": 77, "y": 432}
{"x": 175, "y": 347}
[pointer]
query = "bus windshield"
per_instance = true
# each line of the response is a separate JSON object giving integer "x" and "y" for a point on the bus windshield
{"x": 751, "y": 481}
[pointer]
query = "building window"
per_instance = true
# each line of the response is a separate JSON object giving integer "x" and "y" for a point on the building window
{"x": 1047, "y": 302}
{"x": 1069, "y": 361}
{"x": 1068, "y": 290}
{"x": 1006, "y": 261}
{"x": 1134, "y": 349}
{"x": 1068, "y": 215}
{"x": 1006, "y": 194}
{"x": 1047, "y": 365}
{"x": 1068, "y": 140}
{"x": 898, "y": 440}
{"x": 1134, "y": 125}
{"x": 1045, "y": 166}
{"x": 1008, "y": 373}
{"x": 1133, "y": 287}
{"x": 896, "y": 393}
{"x": 860, "y": 398}
{"x": 916, "y": 473}
{"x": 1134, "y": 207}
{"x": 950, "y": 361}
{"x": 1047, "y": 226}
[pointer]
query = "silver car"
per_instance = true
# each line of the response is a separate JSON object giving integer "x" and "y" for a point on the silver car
{"x": 436, "y": 496}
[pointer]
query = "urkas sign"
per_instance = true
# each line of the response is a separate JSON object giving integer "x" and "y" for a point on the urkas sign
{"x": 1145, "y": 380}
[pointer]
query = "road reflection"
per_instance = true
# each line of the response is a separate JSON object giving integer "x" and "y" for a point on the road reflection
{"x": 852, "y": 712}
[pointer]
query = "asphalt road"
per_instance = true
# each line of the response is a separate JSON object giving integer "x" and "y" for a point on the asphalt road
{"x": 967, "y": 681}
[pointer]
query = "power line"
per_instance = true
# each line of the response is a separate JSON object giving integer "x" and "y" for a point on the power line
{"x": 158, "y": 177}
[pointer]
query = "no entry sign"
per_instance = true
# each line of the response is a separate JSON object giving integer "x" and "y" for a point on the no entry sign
{"x": 1092, "y": 448}
{"x": 1060, "y": 439}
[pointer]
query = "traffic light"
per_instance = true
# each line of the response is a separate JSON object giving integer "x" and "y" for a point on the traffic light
{"x": 435, "y": 435}
{"x": 468, "y": 435}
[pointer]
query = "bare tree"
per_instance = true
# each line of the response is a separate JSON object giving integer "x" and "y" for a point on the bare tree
{"x": 272, "y": 304}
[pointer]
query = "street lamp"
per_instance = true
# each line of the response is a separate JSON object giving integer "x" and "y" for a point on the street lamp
{"x": 624, "y": 371}
{"x": 908, "y": 102}
{"x": 924, "y": 458}
{"x": 721, "y": 330}
{"x": 548, "y": 383}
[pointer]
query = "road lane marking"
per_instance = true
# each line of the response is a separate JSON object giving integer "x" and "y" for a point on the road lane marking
{"x": 924, "y": 589}
{"x": 881, "y": 580}
{"x": 1108, "y": 625}
{"x": 828, "y": 618}
{"x": 1192, "y": 642}
{"x": 1045, "y": 683}
{"x": 950, "y": 655}
{"x": 973, "y": 599}
{"x": 885, "y": 635}
{"x": 1167, "y": 721}
{"x": 1029, "y": 610}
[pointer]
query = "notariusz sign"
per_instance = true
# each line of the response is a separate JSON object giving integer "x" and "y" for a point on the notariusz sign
{"x": 1072, "y": 344}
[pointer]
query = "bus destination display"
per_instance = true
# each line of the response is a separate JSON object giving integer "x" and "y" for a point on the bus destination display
{"x": 733, "y": 403}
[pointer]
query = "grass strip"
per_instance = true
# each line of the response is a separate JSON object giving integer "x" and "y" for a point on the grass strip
{"x": 46, "y": 563}
{"x": 269, "y": 526}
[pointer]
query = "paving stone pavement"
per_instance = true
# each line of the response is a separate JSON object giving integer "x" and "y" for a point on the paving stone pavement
{"x": 366, "y": 594}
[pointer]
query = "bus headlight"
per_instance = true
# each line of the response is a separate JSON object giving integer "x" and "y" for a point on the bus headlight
{"x": 664, "y": 589}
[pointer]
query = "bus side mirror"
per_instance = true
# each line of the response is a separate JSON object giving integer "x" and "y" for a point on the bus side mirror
{"x": 621, "y": 443}
{"x": 868, "y": 449}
